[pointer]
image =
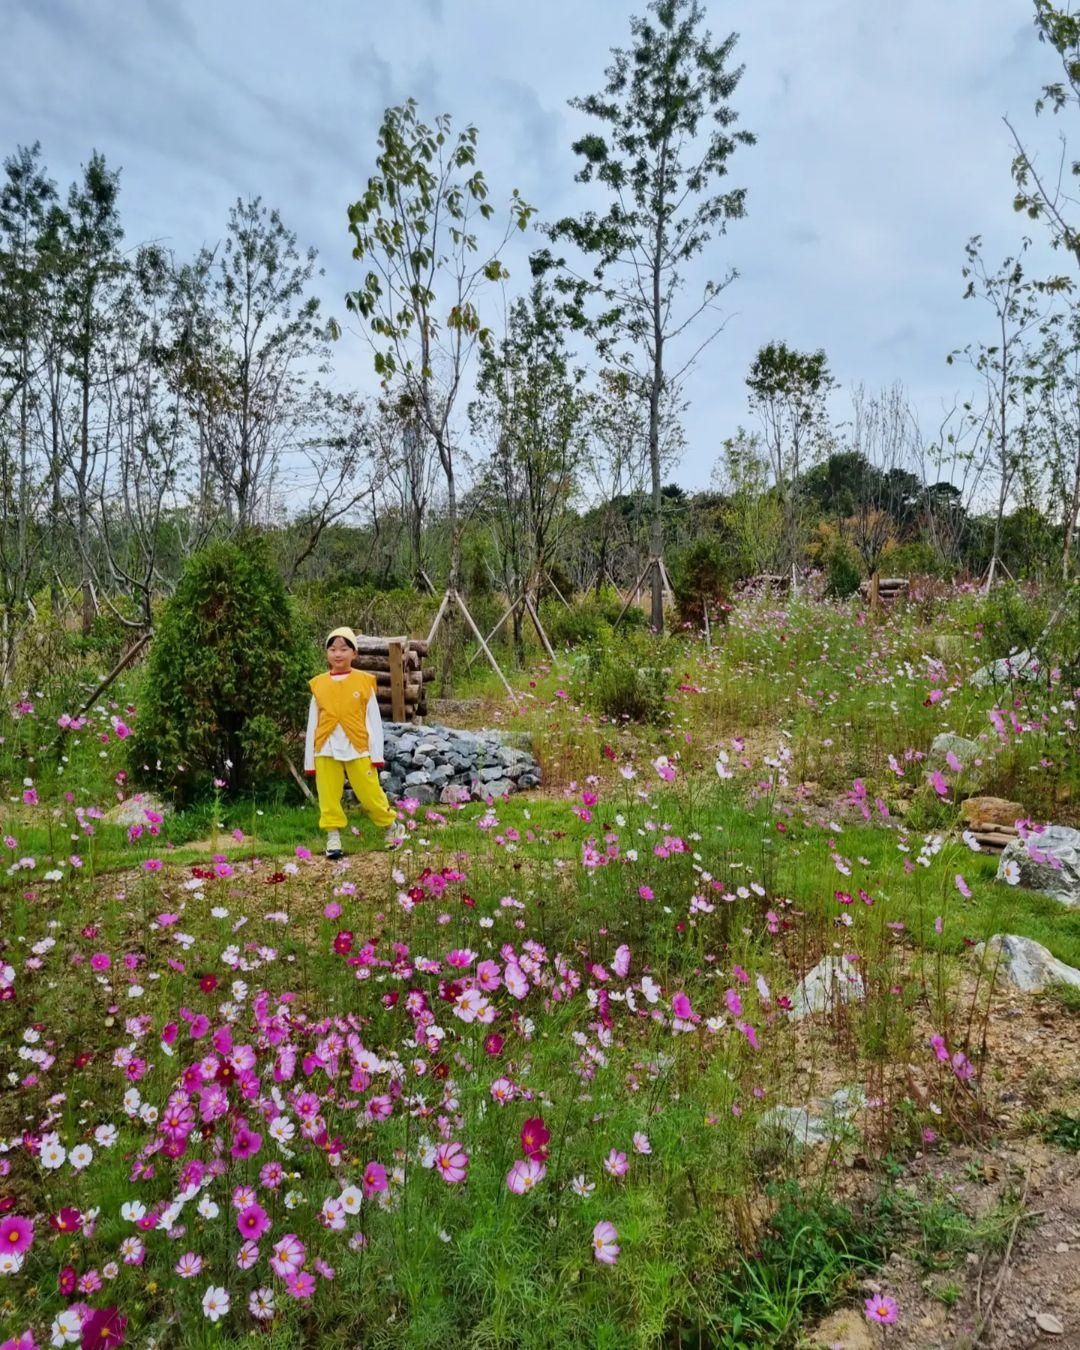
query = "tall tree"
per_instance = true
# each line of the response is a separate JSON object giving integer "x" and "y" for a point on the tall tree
{"x": 255, "y": 344}
{"x": 90, "y": 240}
{"x": 1003, "y": 364}
{"x": 666, "y": 140}
{"x": 788, "y": 391}
{"x": 530, "y": 408}
{"x": 415, "y": 230}
{"x": 27, "y": 195}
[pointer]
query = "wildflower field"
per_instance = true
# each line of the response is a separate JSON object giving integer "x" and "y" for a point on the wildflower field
{"x": 522, "y": 1082}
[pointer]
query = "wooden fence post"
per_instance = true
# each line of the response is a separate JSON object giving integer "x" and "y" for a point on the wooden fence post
{"x": 397, "y": 683}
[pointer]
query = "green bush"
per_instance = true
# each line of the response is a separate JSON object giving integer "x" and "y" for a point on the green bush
{"x": 628, "y": 677}
{"x": 227, "y": 677}
{"x": 842, "y": 572}
{"x": 591, "y": 618}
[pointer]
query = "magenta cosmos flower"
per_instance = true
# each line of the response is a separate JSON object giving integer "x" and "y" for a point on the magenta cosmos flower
{"x": 16, "y": 1234}
{"x": 882, "y": 1309}
{"x": 252, "y": 1222}
{"x": 605, "y": 1241}
{"x": 451, "y": 1162}
{"x": 104, "y": 1328}
{"x": 524, "y": 1175}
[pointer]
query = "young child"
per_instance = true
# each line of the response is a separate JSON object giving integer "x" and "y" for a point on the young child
{"x": 345, "y": 736}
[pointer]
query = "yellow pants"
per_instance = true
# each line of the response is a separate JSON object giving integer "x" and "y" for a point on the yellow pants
{"x": 364, "y": 778}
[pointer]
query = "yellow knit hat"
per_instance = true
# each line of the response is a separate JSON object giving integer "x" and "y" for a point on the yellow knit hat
{"x": 346, "y": 633}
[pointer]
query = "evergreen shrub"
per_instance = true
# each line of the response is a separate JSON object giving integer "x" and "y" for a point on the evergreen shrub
{"x": 226, "y": 678}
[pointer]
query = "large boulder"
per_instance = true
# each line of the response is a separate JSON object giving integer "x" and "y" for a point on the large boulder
{"x": 132, "y": 810}
{"x": 981, "y": 813}
{"x": 1011, "y": 669}
{"x": 1048, "y": 861}
{"x": 971, "y": 756}
{"x": 1026, "y": 964}
{"x": 833, "y": 980}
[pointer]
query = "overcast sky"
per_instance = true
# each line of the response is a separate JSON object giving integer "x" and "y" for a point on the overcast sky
{"x": 881, "y": 147}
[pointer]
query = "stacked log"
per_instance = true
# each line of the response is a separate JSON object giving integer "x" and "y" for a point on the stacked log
{"x": 390, "y": 659}
{"x": 884, "y": 591}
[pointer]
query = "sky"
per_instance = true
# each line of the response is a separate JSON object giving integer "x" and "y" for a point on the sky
{"x": 880, "y": 150}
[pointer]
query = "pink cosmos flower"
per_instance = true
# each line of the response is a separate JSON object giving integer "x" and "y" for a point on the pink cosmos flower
{"x": 621, "y": 964}
{"x": 16, "y": 1235}
{"x": 882, "y": 1309}
{"x": 939, "y": 783}
{"x": 616, "y": 1164}
{"x": 104, "y": 1328}
{"x": 641, "y": 1143}
{"x": 247, "y": 1256}
{"x": 252, "y": 1222}
{"x": 100, "y": 961}
{"x": 287, "y": 1255}
{"x": 300, "y": 1285}
{"x": 524, "y": 1175}
{"x": 374, "y": 1179}
{"x": 451, "y": 1162}
{"x": 645, "y": 892}
{"x": 680, "y": 1006}
{"x": 605, "y": 1241}
{"x": 152, "y": 865}
{"x": 963, "y": 887}
{"x": 189, "y": 1265}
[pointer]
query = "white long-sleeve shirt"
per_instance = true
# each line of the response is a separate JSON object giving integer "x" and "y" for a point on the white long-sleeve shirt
{"x": 337, "y": 745}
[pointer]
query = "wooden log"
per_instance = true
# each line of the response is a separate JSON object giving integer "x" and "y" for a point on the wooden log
{"x": 374, "y": 664}
{"x": 380, "y": 646}
{"x": 384, "y": 678}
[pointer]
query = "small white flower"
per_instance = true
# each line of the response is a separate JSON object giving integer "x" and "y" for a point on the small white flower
{"x": 67, "y": 1328}
{"x": 208, "y": 1208}
{"x": 106, "y": 1135}
{"x": 215, "y": 1303}
{"x": 52, "y": 1156}
{"x": 81, "y": 1156}
{"x": 132, "y": 1210}
{"x": 1010, "y": 871}
{"x": 10, "y": 1264}
{"x": 351, "y": 1199}
{"x": 293, "y": 1199}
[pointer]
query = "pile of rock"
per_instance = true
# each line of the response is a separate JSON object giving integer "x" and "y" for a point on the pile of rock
{"x": 437, "y": 763}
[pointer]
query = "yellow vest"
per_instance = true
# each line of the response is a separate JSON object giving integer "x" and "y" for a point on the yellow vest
{"x": 343, "y": 699}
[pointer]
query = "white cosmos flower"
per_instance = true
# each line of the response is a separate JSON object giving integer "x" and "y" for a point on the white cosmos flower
{"x": 133, "y": 1210}
{"x": 1010, "y": 871}
{"x": 81, "y": 1156}
{"x": 208, "y": 1208}
{"x": 351, "y": 1199}
{"x": 52, "y": 1156}
{"x": 67, "y": 1328}
{"x": 215, "y": 1303}
{"x": 106, "y": 1135}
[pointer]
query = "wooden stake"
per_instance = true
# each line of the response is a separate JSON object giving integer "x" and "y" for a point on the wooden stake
{"x": 303, "y": 786}
{"x": 397, "y": 683}
{"x": 439, "y": 617}
{"x": 633, "y": 594}
{"x": 875, "y": 591}
{"x": 459, "y": 600}
{"x": 531, "y": 608}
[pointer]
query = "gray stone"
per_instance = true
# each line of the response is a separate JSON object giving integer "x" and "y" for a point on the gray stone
{"x": 132, "y": 811}
{"x": 819, "y": 1123}
{"x": 498, "y": 787}
{"x": 528, "y": 780}
{"x": 1012, "y": 669}
{"x": 490, "y": 775}
{"x": 454, "y": 793}
{"x": 834, "y": 979}
{"x": 424, "y": 793}
{"x": 442, "y": 773}
{"x": 1055, "y": 867}
{"x": 1026, "y": 964}
{"x": 965, "y": 751}
{"x": 417, "y": 778}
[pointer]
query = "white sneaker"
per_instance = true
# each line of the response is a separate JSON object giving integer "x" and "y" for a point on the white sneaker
{"x": 333, "y": 844}
{"x": 395, "y": 835}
